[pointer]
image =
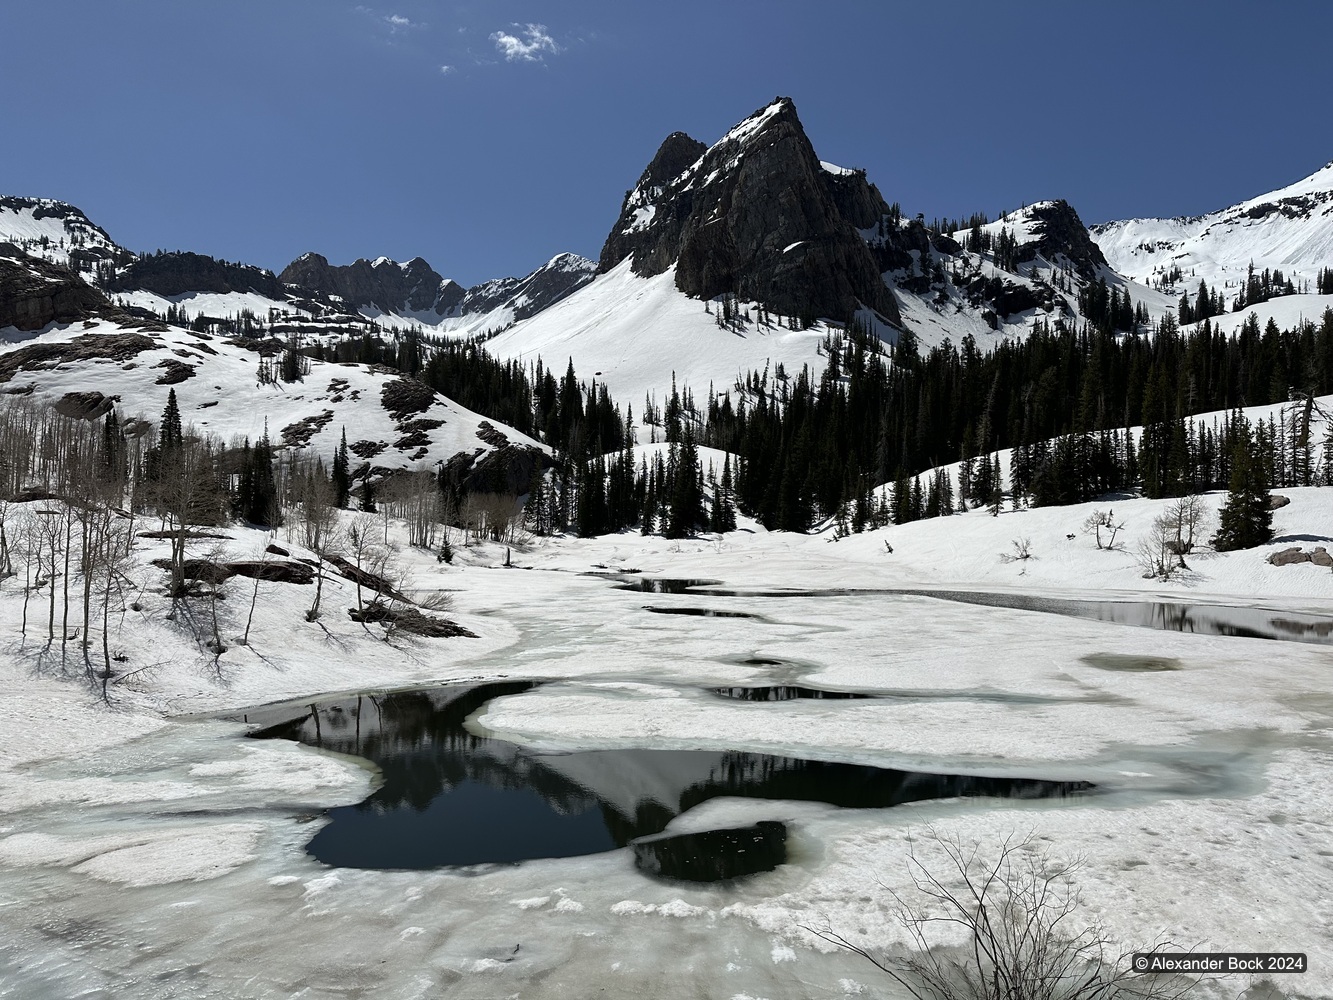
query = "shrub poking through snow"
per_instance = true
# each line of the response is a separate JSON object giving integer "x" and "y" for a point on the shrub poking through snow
{"x": 1023, "y": 934}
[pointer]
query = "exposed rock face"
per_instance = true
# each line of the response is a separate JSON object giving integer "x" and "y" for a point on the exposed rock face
{"x": 758, "y": 215}
{"x": 383, "y": 283}
{"x": 1060, "y": 232}
{"x": 562, "y": 275}
{"x": 178, "y": 273}
{"x": 35, "y": 293}
{"x": 507, "y": 469}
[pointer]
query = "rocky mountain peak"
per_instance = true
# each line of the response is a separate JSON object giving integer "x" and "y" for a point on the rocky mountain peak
{"x": 383, "y": 284}
{"x": 677, "y": 154}
{"x": 1053, "y": 229}
{"x": 758, "y": 215}
{"x": 60, "y": 232}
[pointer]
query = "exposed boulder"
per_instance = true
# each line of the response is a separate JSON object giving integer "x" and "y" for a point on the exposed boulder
{"x": 85, "y": 405}
{"x": 1287, "y": 557}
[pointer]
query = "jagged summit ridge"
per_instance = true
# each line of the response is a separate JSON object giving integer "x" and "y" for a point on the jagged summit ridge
{"x": 755, "y": 214}
{"x": 382, "y": 284}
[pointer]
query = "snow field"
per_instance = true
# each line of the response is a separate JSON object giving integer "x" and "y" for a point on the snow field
{"x": 136, "y": 824}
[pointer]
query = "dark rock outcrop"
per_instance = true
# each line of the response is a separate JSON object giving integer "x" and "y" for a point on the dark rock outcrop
{"x": 35, "y": 293}
{"x": 180, "y": 273}
{"x": 384, "y": 284}
{"x": 507, "y": 469}
{"x": 1060, "y": 232}
{"x": 758, "y": 215}
{"x": 90, "y": 405}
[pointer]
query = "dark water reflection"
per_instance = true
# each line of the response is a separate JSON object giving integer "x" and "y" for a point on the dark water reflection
{"x": 450, "y": 797}
{"x": 786, "y": 692}
{"x": 1201, "y": 619}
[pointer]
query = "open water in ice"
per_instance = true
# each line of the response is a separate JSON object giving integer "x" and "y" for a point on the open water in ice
{"x": 1200, "y": 619}
{"x": 451, "y": 797}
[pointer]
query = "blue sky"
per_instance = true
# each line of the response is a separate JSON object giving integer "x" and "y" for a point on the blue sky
{"x": 488, "y": 136}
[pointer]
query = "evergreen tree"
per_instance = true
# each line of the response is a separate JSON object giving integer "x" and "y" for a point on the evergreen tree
{"x": 1245, "y": 519}
{"x": 342, "y": 478}
{"x": 169, "y": 433}
{"x": 685, "y": 510}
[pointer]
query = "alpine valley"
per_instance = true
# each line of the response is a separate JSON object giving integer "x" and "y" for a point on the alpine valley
{"x": 666, "y": 624}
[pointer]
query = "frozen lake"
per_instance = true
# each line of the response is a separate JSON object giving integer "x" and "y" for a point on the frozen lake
{"x": 177, "y": 863}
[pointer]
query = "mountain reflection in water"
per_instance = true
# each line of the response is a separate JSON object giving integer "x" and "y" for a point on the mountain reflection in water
{"x": 450, "y": 797}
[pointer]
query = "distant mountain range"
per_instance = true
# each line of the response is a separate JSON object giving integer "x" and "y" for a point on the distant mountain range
{"x": 725, "y": 258}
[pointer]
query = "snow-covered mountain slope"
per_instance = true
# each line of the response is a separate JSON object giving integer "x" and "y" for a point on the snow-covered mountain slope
{"x": 1290, "y": 229}
{"x": 632, "y": 333}
{"x": 1288, "y": 312}
{"x": 93, "y": 356}
{"x": 391, "y": 422}
{"x": 58, "y": 232}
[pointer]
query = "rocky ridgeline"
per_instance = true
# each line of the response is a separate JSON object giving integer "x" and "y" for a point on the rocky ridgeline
{"x": 559, "y": 277}
{"x": 180, "y": 273}
{"x": 383, "y": 284}
{"x": 755, "y": 214}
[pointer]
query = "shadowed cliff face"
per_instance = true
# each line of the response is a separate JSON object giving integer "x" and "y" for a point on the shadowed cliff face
{"x": 384, "y": 284}
{"x": 758, "y": 215}
{"x": 35, "y": 293}
{"x": 181, "y": 272}
{"x": 1060, "y": 232}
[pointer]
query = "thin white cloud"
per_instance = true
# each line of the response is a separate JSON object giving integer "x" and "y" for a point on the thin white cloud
{"x": 446, "y": 70}
{"x": 530, "y": 45}
{"x": 394, "y": 23}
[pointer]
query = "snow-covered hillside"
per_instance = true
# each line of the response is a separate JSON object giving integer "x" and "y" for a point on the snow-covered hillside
{"x": 58, "y": 232}
{"x": 391, "y": 423}
{"x": 1290, "y": 229}
{"x": 632, "y": 333}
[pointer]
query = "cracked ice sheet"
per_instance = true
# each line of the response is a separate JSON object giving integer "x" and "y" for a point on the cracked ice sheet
{"x": 1247, "y": 870}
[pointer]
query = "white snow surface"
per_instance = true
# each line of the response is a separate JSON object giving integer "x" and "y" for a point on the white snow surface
{"x": 1296, "y": 237}
{"x": 140, "y": 844}
{"x": 59, "y": 224}
{"x": 223, "y": 395}
{"x": 636, "y": 331}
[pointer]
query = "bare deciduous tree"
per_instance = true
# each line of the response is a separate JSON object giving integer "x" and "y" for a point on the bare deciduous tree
{"x": 318, "y": 518}
{"x": 1103, "y": 520}
{"x": 1186, "y": 520}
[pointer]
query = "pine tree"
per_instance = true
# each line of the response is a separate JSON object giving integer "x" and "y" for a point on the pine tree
{"x": 169, "y": 433}
{"x": 342, "y": 478}
{"x": 1245, "y": 519}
